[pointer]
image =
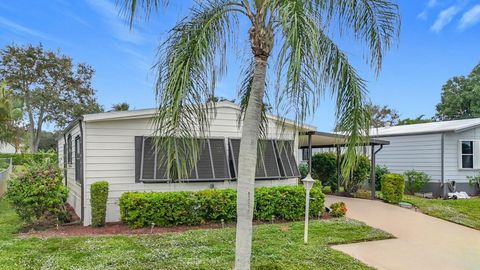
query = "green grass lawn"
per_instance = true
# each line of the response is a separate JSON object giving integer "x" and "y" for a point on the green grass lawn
{"x": 465, "y": 212}
{"x": 278, "y": 246}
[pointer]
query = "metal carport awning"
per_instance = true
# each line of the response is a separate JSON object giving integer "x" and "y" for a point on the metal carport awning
{"x": 316, "y": 139}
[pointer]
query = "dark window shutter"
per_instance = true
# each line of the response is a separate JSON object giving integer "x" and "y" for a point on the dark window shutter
{"x": 287, "y": 159}
{"x": 138, "y": 157}
{"x": 260, "y": 170}
{"x": 148, "y": 159}
{"x": 270, "y": 160}
{"x": 204, "y": 163}
{"x": 219, "y": 158}
{"x": 234, "y": 149}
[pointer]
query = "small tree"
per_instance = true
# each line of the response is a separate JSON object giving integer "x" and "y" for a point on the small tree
{"x": 324, "y": 167}
{"x": 415, "y": 181}
{"x": 359, "y": 174}
{"x": 37, "y": 193}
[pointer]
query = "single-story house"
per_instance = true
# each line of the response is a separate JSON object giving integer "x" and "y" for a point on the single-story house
{"x": 448, "y": 151}
{"x": 117, "y": 147}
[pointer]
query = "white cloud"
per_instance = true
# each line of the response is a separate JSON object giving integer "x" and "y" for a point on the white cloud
{"x": 19, "y": 29}
{"x": 119, "y": 27}
{"x": 422, "y": 15}
{"x": 470, "y": 18}
{"x": 444, "y": 18}
{"x": 432, "y": 3}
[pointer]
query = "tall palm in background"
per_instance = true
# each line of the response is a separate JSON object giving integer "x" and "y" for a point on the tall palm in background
{"x": 306, "y": 62}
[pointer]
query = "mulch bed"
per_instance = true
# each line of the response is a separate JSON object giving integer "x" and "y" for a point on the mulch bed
{"x": 113, "y": 228}
{"x": 118, "y": 228}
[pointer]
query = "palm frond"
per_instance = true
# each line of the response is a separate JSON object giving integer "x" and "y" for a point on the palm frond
{"x": 190, "y": 62}
{"x": 311, "y": 64}
{"x": 375, "y": 22}
{"x": 139, "y": 8}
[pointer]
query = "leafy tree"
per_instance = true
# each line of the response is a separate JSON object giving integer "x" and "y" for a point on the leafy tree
{"x": 412, "y": 121}
{"x": 124, "y": 106}
{"x": 48, "y": 141}
{"x": 54, "y": 89}
{"x": 383, "y": 115}
{"x": 460, "y": 97}
{"x": 308, "y": 64}
{"x": 10, "y": 117}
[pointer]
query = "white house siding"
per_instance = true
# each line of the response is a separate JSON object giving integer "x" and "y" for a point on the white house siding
{"x": 452, "y": 170}
{"x": 6, "y": 148}
{"x": 75, "y": 190}
{"x": 110, "y": 156}
{"x": 418, "y": 152}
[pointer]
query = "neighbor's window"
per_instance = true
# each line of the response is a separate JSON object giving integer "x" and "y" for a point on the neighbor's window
{"x": 69, "y": 149}
{"x": 467, "y": 154}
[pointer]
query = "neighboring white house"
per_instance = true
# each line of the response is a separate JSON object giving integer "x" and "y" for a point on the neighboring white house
{"x": 447, "y": 151}
{"x": 7, "y": 148}
{"x": 116, "y": 147}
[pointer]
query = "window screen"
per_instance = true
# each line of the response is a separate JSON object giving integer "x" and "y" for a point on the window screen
{"x": 151, "y": 165}
{"x": 269, "y": 160}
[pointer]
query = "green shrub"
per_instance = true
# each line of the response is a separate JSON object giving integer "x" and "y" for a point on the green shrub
{"x": 415, "y": 181}
{"x": 359, "y": 174}
{"x": 474, "y": 181}
{"x": 98, "y": 201}
{"x": 37, "y": 193}
{"x": 380, "y": 170}
{"x": 393, "y": 186}
{"x": 362, "y": 194}
{"x": 26, "y": 158}
{"x": 338, "y": 209}
{"x": 141, "y": 209}
{"x": 303, "y": 168}
{"x": 324, "y": 167}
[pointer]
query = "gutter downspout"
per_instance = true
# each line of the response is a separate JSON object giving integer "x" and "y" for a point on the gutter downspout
{"x": 442, "y": 162}
{"x": 64, "y": 158}
{"x": 82, "y": 186}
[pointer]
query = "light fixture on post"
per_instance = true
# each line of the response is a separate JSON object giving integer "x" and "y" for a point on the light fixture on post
{"x": 308, "y": 184}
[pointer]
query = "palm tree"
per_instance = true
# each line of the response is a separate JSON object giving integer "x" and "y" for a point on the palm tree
{"x": 118, "y": 107}
{"x": 307, "y": 64}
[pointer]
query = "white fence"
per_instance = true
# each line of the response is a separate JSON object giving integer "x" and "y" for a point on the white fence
{"x": 5, "y": 170}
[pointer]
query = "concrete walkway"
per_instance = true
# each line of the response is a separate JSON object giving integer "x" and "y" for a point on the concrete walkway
{"x": 422, "y": 242}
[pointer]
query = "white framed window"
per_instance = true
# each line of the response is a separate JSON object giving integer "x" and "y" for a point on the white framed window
{"x": 469, "y": 154}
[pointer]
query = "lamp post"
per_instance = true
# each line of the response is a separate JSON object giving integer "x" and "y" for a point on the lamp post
{"x": 308, "y": 184}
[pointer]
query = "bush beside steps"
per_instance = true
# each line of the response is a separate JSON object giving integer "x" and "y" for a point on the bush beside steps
{"x": 98, "y": 200}
{"x": 142, "y": 209}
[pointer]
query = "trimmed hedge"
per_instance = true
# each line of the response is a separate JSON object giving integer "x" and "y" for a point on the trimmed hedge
{"x": 393, "y": 186}
{"x": 141, "y": 209}
{"x": 98, "y": 200}
{"x": 25, "y": 158}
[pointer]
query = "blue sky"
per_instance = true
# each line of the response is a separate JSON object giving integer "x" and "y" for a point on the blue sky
{"x": 439, "y": 39}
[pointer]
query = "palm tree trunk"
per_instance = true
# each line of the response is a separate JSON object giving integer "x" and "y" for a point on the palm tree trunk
{"x": 247, "y": 165}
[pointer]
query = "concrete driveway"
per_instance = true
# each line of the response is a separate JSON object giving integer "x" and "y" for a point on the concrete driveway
{"x": 422, "y": 242}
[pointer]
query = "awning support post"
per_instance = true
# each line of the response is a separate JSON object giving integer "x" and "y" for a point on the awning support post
{"x": 372, "y": 170}
{"x": 338, "y": 168}
{"x": 310, "y": 153}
